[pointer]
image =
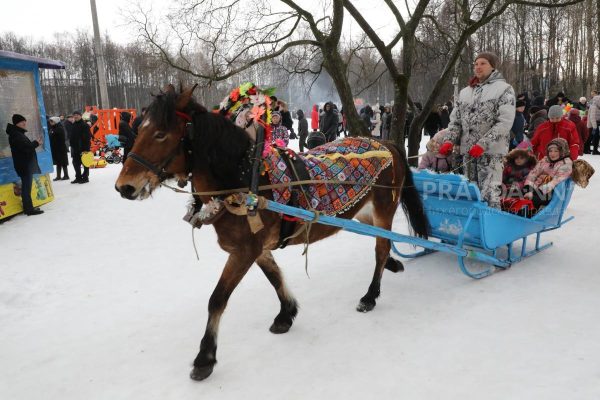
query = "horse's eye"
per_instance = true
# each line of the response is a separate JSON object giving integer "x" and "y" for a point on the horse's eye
{"x": 160, "y": 135}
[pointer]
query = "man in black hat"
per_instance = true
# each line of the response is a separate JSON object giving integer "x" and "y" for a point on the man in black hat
{"x": 80, "y": 142}
{"x": 24, "y": 160}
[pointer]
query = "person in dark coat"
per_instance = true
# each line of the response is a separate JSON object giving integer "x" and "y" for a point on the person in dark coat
{"x": 538, "y": 101}
{"x": 329, "y": 122}
{"x": 386, "y": 122}
{"x": 302, "y": 129}
{"x": 58, "y": 148}
{"x": 286, "y": 117}
{"x": 80, "y": 142}
{"x": 538, "y": 117}
{"x": 68, "y": 125}
{"x": 518, "y": 126}
{"x": 366, "y": 115}
{"x": 432, "y": 123}
{"x": 581, "y": 105}
{"x": 138, "y": 121}
{"x": 525, "y": 98}
{"x": 24, "y": 160}
{"x": 444, "y": 117}
{"x": 559, "y": 100}
{"x": 126, "y": 135}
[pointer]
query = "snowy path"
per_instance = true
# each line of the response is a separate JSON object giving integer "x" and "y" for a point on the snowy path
{"x": 102, "y": 298}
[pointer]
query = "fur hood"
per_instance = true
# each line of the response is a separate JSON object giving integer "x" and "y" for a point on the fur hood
{"x": 515, "y": 153}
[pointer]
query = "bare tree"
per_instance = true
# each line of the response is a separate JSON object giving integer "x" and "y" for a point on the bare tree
{"x": 471, "y": 15}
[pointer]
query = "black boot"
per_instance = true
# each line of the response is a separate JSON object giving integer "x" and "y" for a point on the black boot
{"x": 35, "y": 211}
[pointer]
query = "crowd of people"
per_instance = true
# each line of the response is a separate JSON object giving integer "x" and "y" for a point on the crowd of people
{"x": 511, "y": 147}
{"x": 69, "y": 133}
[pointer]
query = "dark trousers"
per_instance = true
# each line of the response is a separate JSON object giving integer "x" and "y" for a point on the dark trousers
{"x": 26, "y": 183}
{"x": 539, "y": 199}
{"x": 77, "y": 166}
{"x": 596, "y": 139}
{"x": 588, "y": 143}
{"x": 302, "y": 142}
{"x": 62, "y": 168}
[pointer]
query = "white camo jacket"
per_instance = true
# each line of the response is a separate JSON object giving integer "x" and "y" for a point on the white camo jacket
{"x": 484, "y": 115}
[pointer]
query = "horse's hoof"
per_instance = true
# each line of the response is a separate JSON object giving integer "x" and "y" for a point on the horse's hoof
{"x": 394, "y": 265}
{"x": 280, "y": 327}
{"x": 201, "y": 373}
{"x": 365, "y": 306}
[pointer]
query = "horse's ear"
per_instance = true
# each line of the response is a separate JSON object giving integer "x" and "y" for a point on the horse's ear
{"x": 185, "y": 96}
{"x": 169, "y": 89}
{"x": 189, "y": 91}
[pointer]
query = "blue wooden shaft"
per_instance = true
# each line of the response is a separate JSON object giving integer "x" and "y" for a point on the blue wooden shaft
{"x": 364, "y": 229}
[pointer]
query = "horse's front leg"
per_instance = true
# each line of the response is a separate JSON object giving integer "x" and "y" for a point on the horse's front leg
{"x": 236, "y": 267}
{"x": 289, "y": 307}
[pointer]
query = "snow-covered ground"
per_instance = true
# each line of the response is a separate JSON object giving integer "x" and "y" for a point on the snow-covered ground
{"x": 103, "y": 298}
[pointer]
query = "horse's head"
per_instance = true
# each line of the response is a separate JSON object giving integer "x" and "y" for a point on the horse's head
{"x": 158, "y": 152}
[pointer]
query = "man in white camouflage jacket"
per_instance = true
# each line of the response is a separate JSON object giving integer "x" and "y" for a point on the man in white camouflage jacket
{"x": 480, "y": 126}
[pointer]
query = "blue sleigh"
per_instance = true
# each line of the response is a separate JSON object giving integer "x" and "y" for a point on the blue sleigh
{"x": 463, "y": 224}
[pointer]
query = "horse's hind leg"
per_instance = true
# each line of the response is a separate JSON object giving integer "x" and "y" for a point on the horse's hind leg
{"x": 382, "y": 259}
{"x": 382, "y": 250}
{"x": 289, "y": 307}
{"x": 236, "y": 267}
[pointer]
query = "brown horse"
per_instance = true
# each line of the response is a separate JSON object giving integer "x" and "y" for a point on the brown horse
{"x": 179, "y": 138}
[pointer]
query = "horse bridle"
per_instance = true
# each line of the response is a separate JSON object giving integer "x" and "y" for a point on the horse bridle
{"x": 161, "y": 170}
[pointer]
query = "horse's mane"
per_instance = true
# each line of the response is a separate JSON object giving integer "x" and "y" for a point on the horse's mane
{"x": 223, "y": 147}
{"x": 217, "y": 143}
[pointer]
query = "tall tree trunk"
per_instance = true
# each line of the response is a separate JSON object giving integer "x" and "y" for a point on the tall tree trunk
{"x": 335, "y": 66}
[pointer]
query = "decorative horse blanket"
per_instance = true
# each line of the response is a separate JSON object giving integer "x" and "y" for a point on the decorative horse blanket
{"x": 359, "y": 160}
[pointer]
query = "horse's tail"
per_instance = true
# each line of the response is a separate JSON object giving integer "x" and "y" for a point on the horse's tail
{"x": 411, "y": 201}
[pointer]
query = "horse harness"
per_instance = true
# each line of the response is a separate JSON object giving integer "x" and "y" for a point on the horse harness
{"x": 184, "y": 145}
{"x": 198, "y": 215}
{"x": 299, "y": 173}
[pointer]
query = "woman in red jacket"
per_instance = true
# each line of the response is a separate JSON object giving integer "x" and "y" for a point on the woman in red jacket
{"x": 554, "y": 128}
{"x": 314, "y": 118}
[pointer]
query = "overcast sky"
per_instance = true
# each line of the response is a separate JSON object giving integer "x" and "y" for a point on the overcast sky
{"x": 58, "y": 16}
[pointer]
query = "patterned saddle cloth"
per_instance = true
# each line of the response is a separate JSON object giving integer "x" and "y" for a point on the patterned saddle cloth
{"x": 350, "y": 159}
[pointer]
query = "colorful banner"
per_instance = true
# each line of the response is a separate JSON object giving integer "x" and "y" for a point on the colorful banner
{"x": 10, "y": 195}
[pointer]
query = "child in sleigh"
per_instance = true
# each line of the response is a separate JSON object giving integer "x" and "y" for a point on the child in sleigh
{"x": 551, "y": 170}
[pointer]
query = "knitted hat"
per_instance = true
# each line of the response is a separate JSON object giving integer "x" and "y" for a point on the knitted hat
{"x": 490, "y": 57}
{"x": 520, "y": 103}
{"x": 56, "y": 120}
{"x": 574, "y": 111}
{"x": 582, "y": 99}
{"x": 77, "y": 112}
{"x": 275, "y": 113}
{"x": 16, "y": 118}
{"x": 555, "y": 112}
